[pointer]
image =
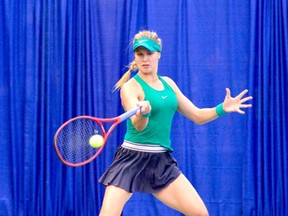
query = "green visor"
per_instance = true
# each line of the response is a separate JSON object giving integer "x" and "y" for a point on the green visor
{"x": 147, "y": 43}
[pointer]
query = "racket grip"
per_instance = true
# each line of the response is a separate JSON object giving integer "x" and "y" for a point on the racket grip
{"x": 129, "y": 113}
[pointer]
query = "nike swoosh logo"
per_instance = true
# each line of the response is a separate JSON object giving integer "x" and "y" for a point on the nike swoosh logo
{"x": 163, "y": 97}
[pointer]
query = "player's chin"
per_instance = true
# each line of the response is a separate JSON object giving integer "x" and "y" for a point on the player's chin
{"x": 145, "y": 68}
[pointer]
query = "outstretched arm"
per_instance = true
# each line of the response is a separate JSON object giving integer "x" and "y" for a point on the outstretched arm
{"x": 204, "y": 115}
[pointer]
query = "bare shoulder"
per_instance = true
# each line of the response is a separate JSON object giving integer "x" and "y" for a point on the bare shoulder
{"x": 131, "y": 89}
{"x": 130, "y": 85}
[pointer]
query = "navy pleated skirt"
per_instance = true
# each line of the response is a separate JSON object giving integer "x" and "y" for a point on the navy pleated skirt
{"x": 138, "y": 171}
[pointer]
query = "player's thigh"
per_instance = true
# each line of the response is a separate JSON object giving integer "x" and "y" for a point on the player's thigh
{"x": 114, "y": 201}
{"x": 182, "y": 196}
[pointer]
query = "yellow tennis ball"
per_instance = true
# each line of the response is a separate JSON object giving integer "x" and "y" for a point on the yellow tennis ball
{"x": 96, "y": 141}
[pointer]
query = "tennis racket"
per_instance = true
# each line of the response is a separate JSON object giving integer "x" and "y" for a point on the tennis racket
{"x": 71, "y": 140}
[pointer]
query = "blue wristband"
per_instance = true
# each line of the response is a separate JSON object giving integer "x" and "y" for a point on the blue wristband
{"x": 220, "y": 111}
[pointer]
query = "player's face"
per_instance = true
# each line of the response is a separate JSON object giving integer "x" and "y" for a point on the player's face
{"x": 147, "y": 61}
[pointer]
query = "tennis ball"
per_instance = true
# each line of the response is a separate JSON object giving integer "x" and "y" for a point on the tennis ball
{"x": 96, "y": 141}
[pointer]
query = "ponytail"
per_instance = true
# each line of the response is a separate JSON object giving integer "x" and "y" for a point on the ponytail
{"x": 126, "y": 76}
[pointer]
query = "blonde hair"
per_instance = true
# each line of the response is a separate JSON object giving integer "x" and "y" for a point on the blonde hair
{"x": 133, "y": 66}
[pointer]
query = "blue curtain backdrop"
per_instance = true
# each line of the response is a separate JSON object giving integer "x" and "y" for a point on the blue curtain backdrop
{"x": 60, "y": 59}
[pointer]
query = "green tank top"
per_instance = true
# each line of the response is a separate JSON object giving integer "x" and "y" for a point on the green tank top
{"x": 164, "y": 105}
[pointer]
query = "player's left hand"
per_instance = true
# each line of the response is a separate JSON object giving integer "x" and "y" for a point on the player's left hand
{"x": 235, "y": 104}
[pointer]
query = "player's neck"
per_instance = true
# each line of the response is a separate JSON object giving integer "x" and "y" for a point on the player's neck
{"x": 149, "y": 78}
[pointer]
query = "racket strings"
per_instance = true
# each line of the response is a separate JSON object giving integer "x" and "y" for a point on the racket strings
{"x": 73, "y": 140}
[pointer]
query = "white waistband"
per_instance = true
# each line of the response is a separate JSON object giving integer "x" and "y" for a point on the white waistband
{"x": 143, "y": 147}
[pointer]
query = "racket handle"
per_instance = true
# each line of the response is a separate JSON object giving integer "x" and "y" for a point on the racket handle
{"x": 129, "y": 113}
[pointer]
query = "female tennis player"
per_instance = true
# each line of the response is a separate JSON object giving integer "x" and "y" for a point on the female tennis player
{"x": 143, "y": 162}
